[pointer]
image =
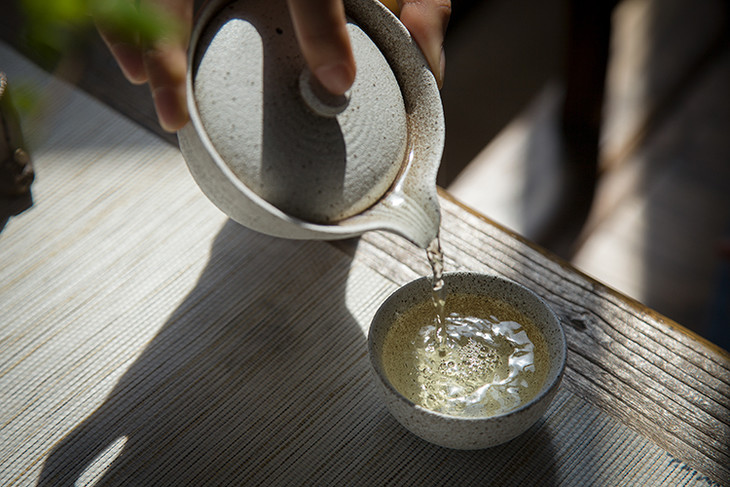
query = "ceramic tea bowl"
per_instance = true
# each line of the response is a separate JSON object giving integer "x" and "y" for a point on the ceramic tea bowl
{"x": 459, "y": 432}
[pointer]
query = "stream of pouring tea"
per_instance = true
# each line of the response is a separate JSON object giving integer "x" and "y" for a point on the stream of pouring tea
{"x": 436, "y": 258}
{"x": 468, "y": 362}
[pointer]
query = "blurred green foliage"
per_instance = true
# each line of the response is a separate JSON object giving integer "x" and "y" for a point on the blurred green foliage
{"x": 58, "y": 31}
{"x": 56, "y": 28}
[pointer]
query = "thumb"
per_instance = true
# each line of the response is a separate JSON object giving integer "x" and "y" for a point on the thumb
{"x": 426, "y": 20}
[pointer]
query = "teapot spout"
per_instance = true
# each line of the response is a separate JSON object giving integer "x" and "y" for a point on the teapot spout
{"x": 411, "y": 208}
{"x": 416, "y": 216}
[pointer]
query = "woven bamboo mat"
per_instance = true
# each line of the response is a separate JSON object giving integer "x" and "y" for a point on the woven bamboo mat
{"x": 146, "y": 340}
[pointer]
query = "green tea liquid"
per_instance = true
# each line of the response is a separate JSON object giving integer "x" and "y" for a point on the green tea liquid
{"x": 464, "y": 354}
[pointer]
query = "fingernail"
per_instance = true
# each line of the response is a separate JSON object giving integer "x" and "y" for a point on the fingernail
{"x": 337, "y": 78}
{"x": 171, "y": 107}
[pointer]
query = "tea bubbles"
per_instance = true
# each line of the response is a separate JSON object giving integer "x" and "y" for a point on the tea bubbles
{"x": 464, "y": 354}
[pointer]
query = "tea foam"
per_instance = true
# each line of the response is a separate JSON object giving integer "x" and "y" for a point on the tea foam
{"x": 490, "y": 360}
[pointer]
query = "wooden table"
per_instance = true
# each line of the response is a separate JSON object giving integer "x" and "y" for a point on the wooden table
{"x": 147, "y": 340}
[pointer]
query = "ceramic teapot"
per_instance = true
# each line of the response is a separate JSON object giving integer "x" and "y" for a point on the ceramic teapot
{"x": 279, "y": 154}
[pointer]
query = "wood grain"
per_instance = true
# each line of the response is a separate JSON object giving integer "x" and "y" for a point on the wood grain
{"x": 652, "y": 374}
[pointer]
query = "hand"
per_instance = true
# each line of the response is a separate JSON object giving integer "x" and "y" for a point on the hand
{"x": 162, "y": 62}
{"x": 322, "y": 35}
{"x": 321, "y": 31}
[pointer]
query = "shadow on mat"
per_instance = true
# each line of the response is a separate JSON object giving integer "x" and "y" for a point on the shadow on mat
{"x": 256, "y": 379}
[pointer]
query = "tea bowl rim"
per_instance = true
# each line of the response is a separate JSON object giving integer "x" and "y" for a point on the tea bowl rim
{"x": 547, "y": 389}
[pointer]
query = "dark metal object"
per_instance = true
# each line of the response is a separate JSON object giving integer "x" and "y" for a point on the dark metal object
{"x": 16, "y": 168}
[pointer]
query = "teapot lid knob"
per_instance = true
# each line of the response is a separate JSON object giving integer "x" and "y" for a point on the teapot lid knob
{"x": 316, "y": 96}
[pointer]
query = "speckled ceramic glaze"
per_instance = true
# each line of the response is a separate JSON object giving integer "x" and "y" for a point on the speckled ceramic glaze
{"x": 460, "y": 432}
{"x": 276, "y": 152}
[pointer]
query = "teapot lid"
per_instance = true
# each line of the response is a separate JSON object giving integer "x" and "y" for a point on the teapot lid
{"x": 315, "y": 156}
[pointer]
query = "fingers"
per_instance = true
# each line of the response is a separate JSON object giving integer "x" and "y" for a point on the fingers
{"x": 124, "y": 46}
{"x": 165, "y": 62}
{"x": 426, "y": 20}
{"x": 165, "y": 65}
{"x": 130, "y": 60}
{"x": 321, "y": 30}
{"x": 152, "y": 48}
